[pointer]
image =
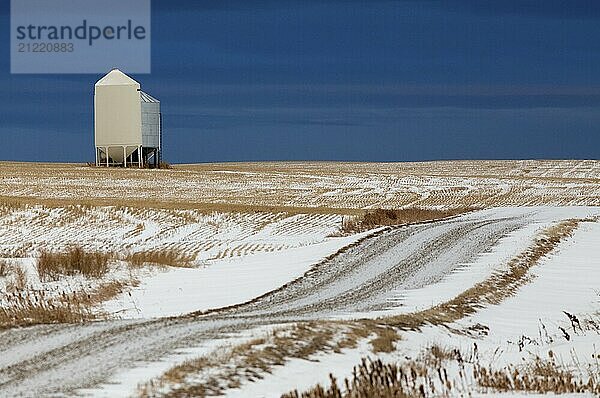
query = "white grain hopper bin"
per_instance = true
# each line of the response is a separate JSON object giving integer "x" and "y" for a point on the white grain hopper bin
{"x": 127, "y": 123}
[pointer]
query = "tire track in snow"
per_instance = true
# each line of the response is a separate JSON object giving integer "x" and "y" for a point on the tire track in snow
{"x": 365, "y": 277}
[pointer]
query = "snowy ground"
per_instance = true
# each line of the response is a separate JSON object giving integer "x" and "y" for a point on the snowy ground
{"x": 518, "y": 330}
{"x": 337, "y": 288}
{"x": 235, "y": 256}
{"x": 222, "y": 282}
{"x": 276, "y": 267}
{"x": 204, "y": 236}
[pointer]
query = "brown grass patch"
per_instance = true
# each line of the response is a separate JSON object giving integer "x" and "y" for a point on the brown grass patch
{"x": 355, "y": 332}
{"x": 75, "y": 261}
{"x": 384, "y": 217}
{"x": 540, "y": 376}
{"x": 384, "y": 342}
{"x": 170, "y": 258}
{"x": 371, "y": 379}
{"x": 412, "y": 379}
{"x": 175, "y": 204}
{"x": 33, "y": 307}
{"x": 437, "y": 354}
{"x": 102, "y": 293}
{"x": 24, "y": 306}
{"x": 16, "y": 276}
{"x": 250, "y": 361}
{"x": 5, "y": 268}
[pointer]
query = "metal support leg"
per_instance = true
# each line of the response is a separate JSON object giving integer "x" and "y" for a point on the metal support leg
{"x": 106, "y": 149}
{"x": 125, "y": 156}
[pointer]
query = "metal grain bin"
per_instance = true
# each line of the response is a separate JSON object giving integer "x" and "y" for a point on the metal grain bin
{"x": 127, "y": 122}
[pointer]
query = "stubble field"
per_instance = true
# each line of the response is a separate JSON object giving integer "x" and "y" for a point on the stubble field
{"x": 244, "y": 279}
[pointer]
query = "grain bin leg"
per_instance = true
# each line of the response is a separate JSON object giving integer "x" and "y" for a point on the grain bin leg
{"x": 106, "y": 148}
{"x": 96, "y": 163}
{"x": 125, "y": 156}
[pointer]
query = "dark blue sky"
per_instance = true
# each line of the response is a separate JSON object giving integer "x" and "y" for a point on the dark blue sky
{"x": 340, "y": 80}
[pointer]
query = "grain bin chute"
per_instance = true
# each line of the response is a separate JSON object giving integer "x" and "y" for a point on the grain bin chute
{"x": 127, "y": 123}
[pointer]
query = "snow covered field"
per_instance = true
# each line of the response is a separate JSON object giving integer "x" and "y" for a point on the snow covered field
{"x": 266, "y": 255}
{"x": 222, "y": 282}
{"x": 530, "y": 325}
{"x": 235, "y": 256}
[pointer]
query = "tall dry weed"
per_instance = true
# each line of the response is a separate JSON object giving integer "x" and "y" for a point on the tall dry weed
{"x": 170, "y": 258}
{"x": 20, "y": 278}
{"x": 5, "y": 268}
{"x": 27, "y": 307}
{"x": 424, "y": 378}
{"x": 74, "y": 261}
{"x": 384, "y": 217}
{"x": 24, "y": 307}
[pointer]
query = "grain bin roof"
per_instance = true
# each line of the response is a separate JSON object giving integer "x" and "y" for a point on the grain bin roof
{"x": 148, "y": 98}
{"x": 117, "y": 78}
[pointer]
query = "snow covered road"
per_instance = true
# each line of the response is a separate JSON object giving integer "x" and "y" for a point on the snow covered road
{"x": 365, "y": 278}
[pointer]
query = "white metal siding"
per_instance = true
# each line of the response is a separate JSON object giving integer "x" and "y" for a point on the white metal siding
{"x": 150, "y": 123}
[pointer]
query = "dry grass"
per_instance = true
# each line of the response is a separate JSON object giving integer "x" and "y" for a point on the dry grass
{"x": 414, "y": 379}
{"x": 33, "y": 307}
{"x": 439, "y": 377}
{"x": 102, "y": 293}
{"x": 15, "y": 275}
{"x": 437, "y": 354}
{"x": 28, "y": 307}
{"x": 74, "y": 261}
{"x": 5, "y": 267}
{"x": 205, "y": 207}
{"x": 24, "y": 306}
{"x": 384, "y": 342}
{"x": 370, "y": 379}
{"x": 250, "y": 361}
{"x": 540, "y": 376}
{"x": 170, "y": 258}
{"x": 321, "y": 187}
{"x": 20, "y": 279}
{"x": 383, "y": 217}
{"x": 353, "y": 333}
